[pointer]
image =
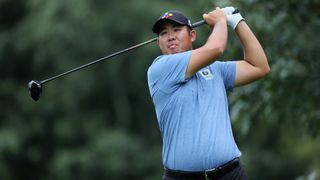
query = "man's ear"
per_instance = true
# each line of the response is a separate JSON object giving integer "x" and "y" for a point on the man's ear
{"x": 158, "y": 41}
{"x": 193, "y": 35}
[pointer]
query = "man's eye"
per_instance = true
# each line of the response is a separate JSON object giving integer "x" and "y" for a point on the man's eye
{"x": 163, "y": 33}
{"x": 177, "y": 29}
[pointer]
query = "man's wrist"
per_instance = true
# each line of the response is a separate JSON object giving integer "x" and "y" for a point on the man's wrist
{"x": 235, "y": 19}
{"x": 224, "y": 21}
{"x": 240, "y": 23}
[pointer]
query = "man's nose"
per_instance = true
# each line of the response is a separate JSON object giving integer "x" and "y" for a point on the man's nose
{"x": 170, "y": 35}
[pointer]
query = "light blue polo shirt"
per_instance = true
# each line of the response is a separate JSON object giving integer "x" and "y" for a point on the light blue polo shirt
{"x": 193, "y": 114}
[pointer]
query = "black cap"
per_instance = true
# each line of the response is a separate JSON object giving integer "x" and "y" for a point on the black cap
{"x": 175, "y": 16}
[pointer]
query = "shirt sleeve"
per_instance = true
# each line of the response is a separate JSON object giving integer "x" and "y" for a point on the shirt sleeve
{"x": 168, "y": 71}
{"x": 228, "y": 73}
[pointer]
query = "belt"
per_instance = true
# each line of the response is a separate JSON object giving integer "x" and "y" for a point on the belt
{"x": 208, "y": 174}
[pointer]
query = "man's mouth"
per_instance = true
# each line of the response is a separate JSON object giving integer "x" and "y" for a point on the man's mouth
{"x": 172, "y": 46}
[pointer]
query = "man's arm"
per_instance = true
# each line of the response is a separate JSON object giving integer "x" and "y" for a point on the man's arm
{"x": 214, "y": 46}
{"x": 255, "y": 64}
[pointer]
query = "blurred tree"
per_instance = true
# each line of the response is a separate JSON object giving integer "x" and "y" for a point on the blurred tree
{"x": 278, "y": 118}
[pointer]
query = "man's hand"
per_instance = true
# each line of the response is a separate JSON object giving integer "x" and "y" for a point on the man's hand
{"x": 214, "y": 16}
{"x": 232, "y": 19}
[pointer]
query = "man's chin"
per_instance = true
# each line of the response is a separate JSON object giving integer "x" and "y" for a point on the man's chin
{"x": 174, "y": 51}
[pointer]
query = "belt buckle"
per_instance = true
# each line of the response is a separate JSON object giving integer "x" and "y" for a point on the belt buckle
{"x": 208, "y": 171}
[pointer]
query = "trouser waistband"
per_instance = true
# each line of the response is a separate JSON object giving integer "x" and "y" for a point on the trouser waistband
{"x": 208, "y": 174}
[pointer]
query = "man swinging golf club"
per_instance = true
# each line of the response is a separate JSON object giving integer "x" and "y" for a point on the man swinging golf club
{"x": 188, "y": 88}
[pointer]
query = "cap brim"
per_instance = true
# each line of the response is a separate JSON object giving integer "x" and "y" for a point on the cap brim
{"x": 158, "y": 24}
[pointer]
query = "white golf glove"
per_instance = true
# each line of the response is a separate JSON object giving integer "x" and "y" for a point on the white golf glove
{"x": 232, "y": 19}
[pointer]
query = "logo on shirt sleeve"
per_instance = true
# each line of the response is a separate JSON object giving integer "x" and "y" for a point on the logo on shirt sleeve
{"x": 206, "y": 74}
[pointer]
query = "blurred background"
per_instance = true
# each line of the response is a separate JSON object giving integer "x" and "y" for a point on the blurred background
{"x": 99, "y": 123}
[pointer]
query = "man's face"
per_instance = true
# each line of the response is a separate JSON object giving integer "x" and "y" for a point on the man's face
{"x": 175, "y": 38}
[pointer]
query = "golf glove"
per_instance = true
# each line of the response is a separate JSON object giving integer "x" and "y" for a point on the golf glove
{"x": 232, "y": 19}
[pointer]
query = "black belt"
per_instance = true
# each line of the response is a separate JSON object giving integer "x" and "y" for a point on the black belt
{"x": 208, "y": 174}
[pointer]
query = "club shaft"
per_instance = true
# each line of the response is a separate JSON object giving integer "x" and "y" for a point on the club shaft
{"x": 99, "y": 60}
{"x": 194, "y": 25}
{"x": 202, "y": 22}
{"x": 199, "y": 23}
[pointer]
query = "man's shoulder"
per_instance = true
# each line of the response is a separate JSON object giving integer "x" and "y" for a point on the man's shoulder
{"x": 169, "y": 60}
{"x": 172, "y": 56}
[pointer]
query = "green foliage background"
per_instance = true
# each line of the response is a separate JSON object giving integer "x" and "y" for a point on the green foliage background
{"x": 99, "y": 123}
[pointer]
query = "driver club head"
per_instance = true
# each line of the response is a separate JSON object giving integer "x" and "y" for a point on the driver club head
{"x": 35, "y": 89}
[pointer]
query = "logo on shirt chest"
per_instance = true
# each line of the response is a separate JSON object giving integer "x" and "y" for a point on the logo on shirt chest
{"x": 206, "y": 74}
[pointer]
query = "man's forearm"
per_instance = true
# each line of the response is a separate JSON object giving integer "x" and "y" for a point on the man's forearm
{"x": 253, "y": 51}
{"x": 218, "y": 37}
{"x": 209, "y": 52}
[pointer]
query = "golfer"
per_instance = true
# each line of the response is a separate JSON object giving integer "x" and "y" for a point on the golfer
{"x": 189, "y": 91}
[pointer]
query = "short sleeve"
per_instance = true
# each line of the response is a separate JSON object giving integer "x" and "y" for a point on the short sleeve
{"x": 228, "y": 73}
{"x": 168, "y": 71}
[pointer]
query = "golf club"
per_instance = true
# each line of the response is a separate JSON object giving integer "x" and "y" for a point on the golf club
{"x": 35, "y": 86}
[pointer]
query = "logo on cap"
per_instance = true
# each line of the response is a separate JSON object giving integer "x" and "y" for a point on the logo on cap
{"x": 167, "y": 15}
